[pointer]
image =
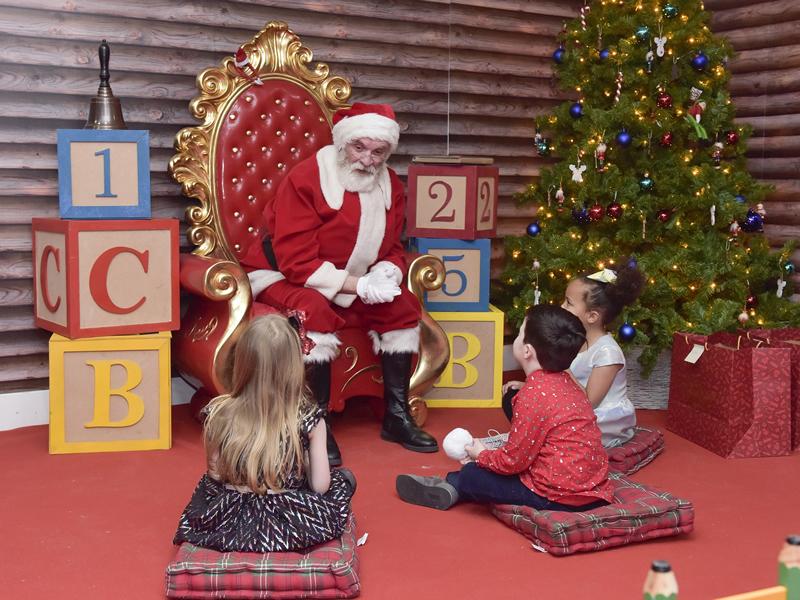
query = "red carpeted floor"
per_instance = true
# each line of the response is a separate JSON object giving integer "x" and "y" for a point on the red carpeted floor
{"x": 99, "y": 526}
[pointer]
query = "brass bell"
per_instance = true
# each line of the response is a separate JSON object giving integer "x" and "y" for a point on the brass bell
{"x": 105, "y": 111}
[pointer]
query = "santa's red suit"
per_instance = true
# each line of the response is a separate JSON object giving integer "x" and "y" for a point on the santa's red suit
{"x": 320, "y": 234}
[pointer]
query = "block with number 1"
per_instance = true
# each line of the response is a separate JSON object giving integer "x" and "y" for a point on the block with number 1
{"x": 103, "y": 174}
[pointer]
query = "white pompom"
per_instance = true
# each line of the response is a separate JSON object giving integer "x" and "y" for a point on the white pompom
{"x": 455, "y": 443}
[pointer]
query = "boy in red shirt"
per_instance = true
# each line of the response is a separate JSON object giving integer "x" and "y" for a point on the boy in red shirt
{"x": 554, "y": 459}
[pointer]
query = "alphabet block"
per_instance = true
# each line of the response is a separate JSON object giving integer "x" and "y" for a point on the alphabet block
{"x": 447, "y": 201}
{"x": 473, "y": 377}
{"x": 103, "y": 174}
{"x": 105, "y": 277}
{"x": 466, "y": 283}
{"x": 109, "y": 394}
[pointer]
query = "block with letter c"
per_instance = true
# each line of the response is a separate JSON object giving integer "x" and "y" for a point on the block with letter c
{"x": 96, "y": 278}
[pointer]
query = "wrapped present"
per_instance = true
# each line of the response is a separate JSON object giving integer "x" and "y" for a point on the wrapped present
{"x": 787, "y": 337}
{"x": 730, "y": 394}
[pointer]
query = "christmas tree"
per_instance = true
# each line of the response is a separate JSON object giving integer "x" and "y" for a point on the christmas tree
{"x": 651, "y": 168}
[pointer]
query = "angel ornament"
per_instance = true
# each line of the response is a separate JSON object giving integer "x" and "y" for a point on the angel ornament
{"x": 781, "y": 285}
{"x": 577, "y": 172}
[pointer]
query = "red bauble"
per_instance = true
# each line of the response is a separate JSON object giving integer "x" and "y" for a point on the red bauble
{"x": 731, "y": 137}
{"x": 664, "y": 215}
{"x": 614, "y": 210}
{"x": 751, "y": 302}
{"x": 666, "y": 139}
{"x": 664, "y": 100}
{"x": 595, "y": 212}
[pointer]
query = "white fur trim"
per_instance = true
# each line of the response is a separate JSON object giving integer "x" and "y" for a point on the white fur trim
{"x": 332, "y": 188}
{"x": 372, "y": 126}
{"x": 325, "y": 349}
{"x": 262, "y": 279}
{"x": 388, "y": 265}
{"x": 400, "y": 341}
{"x": 376, "y": 341}
{"x": 327, "y": 280}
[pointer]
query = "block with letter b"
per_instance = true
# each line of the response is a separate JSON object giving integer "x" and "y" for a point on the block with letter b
{"x": 105, "y": 277}
{"x": 452, "y": 201}
{"x": 109, "y": 394}
{"x": 473, "y": 376}
{"x": 466, "y": 283}
{"x": 103, "y": 174}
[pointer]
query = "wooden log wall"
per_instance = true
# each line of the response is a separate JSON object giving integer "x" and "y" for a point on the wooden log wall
{"x": 765, "y": 88}
{"x": 470, "y": 74}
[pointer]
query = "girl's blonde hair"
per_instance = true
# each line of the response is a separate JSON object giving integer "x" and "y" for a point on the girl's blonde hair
{"x": 254, "y": 431}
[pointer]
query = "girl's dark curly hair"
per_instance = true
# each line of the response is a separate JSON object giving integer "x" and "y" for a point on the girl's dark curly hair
{"x": 610, "y": 298}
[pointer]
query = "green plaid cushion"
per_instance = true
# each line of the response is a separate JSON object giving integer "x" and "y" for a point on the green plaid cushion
{"x": 638, "y": 513}
{"x": 325, "y": 571}
{"x": 631, "y": 456}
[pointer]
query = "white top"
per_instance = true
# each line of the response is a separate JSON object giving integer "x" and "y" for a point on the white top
{"x": 616, "y": 416}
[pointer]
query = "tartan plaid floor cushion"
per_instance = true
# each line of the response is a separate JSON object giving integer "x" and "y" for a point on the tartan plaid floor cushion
{"x": 638, "y": 513}
{"x": 325, "y": 571}
{"x": 631, "y": 456}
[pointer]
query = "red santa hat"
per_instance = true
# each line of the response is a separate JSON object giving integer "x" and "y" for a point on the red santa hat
{"x": 362, "y": 120}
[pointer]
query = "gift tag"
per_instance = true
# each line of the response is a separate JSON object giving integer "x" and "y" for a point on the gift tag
{"x": 694, "y": 354}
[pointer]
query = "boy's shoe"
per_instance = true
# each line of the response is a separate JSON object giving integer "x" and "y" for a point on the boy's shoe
{"x": 433, "y": 492}
{"x": 495, "y": 440}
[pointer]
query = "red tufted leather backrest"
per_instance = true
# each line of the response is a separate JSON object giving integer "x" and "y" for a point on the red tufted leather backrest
{"x": 267, "y": 131}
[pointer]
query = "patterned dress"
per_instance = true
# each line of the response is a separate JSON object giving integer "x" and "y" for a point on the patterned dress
{"x": 227, "y": 520}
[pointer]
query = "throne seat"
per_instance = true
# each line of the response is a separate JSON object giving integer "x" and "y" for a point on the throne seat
{"x": 261, "y": 116}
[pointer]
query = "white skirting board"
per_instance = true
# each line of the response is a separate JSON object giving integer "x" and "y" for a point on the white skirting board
{"x": 23, "y": 409}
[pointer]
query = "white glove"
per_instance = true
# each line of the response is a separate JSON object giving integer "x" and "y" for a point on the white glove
{"x": 391, "y": 270}
{"x": 376, "y": 288}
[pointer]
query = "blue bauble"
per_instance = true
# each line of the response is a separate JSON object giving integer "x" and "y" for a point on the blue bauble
{"x": 627, "y": 332}
{"x": 558, "y": 55}
{"x": 576, "y": 110}
{"x": 604, "y": 54}
{"x": 581, "y": 215}
{"x": 699, "y": 61}
{"x": 642, "y": 33}
{"x": 740, "y": 199}
{"x": 752, "y": 222}
{"x": 670, "y": 11}
{"x": 533, "y": 229}
{"x": 543, "y": 148}
{"x": 633, "y": 263}
{"x": 788, "y": 267}
{"x": 624, "y": 138}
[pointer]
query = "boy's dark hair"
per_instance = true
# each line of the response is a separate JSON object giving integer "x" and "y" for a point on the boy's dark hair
{"x": 610, "y": 298}
{"x": 555, "y": 334}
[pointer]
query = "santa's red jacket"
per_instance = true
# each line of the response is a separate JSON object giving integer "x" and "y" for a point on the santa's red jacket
{"x": 322, "y": 233}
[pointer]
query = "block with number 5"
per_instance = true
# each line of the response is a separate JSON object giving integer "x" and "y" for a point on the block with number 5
{"x": 448, "y": 201}
{"x": 466, "y": 283}
{"x": 103, "y": 174}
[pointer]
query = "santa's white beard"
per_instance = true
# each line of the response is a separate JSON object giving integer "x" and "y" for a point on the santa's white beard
{"x": 355, "y": 177}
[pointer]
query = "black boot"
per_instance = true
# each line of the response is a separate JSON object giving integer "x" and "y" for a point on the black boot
{"x": 398, "y": 425}
{"x": 318, "y": 379}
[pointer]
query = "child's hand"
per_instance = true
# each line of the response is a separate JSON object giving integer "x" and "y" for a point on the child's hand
{"x": 511, "y": 385}
{"x": 475, "y": 448}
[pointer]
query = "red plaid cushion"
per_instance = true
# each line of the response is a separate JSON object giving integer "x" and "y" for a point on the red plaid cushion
{"x": 638, "y": 513}
{"x": 326, "y": 571}
{"x": 631, "y": 456}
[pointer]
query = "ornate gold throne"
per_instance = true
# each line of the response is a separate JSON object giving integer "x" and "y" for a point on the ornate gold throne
{"x": 261, "y": 117}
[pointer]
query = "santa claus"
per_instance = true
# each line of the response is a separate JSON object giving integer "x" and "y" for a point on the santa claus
{"x": 335, "y": 253}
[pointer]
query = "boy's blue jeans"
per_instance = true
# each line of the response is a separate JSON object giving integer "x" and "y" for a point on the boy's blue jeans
{"x": 475, "y": 484}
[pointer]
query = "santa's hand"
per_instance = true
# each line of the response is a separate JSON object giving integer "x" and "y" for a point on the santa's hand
{"x": 391, "y": 270}
{"x": 376, "y": 288}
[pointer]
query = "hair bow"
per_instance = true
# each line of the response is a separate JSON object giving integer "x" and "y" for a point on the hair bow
{"x": 604, "y": 276}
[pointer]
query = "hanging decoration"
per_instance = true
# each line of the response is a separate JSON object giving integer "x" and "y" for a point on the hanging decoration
{"x": 533, "y": 229}
{"x": 536, "y": 293}
{"x": 577, "y": 171}
{"x": 646, "y": 182}
{"x": 560, "y": 197}
{"x": 627, "y": 332}
{"x": 576, "y": 110}
{"x": 618, "y": 93}
{"x": 600, "y": 156}
{"x": 716, "y": 154}
{"x": 731, "y": 138}
{"x": 624, "y": 138}
{"x": 699, "y": 61}
{"x": 596, "y": 212}
{"x": 558, "y": 55}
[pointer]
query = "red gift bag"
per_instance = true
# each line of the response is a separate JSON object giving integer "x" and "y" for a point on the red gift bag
{"x": 734, "y": 398}
{"x": 788, "y": 337}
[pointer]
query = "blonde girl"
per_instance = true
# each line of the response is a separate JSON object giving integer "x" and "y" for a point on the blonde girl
{"x": 268, "y": 486}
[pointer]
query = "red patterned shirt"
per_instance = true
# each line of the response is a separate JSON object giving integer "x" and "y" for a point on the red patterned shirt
{"x": 554, "y": 443}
